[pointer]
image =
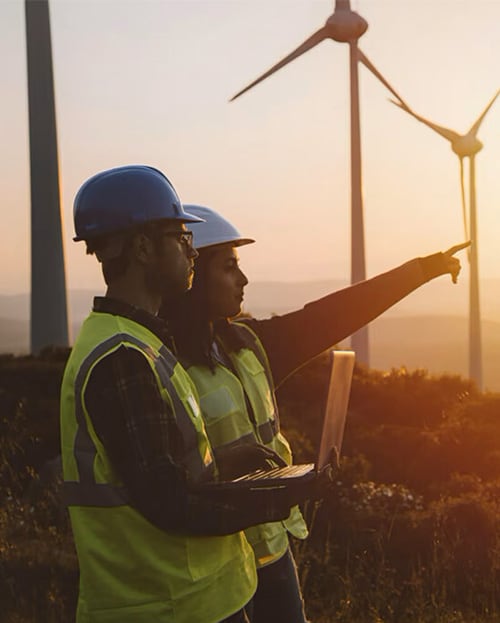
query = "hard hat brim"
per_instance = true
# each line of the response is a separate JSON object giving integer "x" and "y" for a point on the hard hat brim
{"x": 190, "y": 218}
{"x": 238, "y": 242}
{"x": 185, "y": 217}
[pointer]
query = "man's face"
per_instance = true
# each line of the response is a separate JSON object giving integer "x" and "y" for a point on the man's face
{"x": 170, "y": 273}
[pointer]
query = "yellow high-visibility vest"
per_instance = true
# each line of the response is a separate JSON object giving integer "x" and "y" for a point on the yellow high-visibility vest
{"x": 130, "y": 570}
{"x": 228, "y": 422}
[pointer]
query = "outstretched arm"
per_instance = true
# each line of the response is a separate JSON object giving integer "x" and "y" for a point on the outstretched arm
{"x": 293, "y": 339}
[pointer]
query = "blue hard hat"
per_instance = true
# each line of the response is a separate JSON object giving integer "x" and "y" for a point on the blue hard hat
{"x": 123, "y": 197}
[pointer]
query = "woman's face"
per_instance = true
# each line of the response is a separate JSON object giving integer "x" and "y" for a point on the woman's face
{"x": 225, "y": 282}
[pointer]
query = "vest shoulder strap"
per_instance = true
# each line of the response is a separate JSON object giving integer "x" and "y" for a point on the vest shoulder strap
{"x": 250, "y": 339}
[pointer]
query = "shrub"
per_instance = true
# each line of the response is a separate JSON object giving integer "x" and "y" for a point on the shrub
{"x": 408, "y": 532}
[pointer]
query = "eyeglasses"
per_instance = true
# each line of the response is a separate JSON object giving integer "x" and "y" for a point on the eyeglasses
{"x": 183, "y": 236}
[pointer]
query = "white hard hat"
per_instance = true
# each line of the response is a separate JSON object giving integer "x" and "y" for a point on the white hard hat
{"x": 214, "y": 230}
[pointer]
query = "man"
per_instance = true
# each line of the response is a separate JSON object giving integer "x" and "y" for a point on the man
{"x": 152, "y": 547}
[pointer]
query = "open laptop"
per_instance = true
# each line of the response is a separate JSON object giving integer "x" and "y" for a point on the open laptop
{"x": 330, "y": 444}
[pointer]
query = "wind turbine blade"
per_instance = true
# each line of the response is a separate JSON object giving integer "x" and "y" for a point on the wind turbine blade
{"x": 450, "y": 135}
{"x": 362, "y": 58}
{"x": 475, "y": 126}
{"x": 464, "y": 208}
{"x": 313, "y": 40}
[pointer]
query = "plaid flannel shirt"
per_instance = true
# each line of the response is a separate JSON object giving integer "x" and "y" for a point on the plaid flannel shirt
{"x": 138, "y": 429}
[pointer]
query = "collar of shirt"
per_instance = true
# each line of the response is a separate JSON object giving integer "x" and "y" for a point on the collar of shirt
{"x": 106, "y": 305}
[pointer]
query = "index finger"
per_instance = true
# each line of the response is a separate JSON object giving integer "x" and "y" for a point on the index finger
{"x": 458, "y": 247}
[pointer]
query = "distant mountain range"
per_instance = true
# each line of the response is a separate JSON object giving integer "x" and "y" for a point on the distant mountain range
{"x": 428, "y": 329}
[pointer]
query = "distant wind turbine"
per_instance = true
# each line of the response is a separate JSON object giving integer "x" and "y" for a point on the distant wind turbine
{"x": 466, "y": 146}
{"x": 345, "y": 26}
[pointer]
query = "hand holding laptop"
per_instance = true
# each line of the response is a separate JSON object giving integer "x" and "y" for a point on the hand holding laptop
{"x": 300, "y": 481}
{"x": 236, "y": 461}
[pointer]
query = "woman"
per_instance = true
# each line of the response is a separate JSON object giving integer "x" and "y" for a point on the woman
{"x": 236, "y": 365}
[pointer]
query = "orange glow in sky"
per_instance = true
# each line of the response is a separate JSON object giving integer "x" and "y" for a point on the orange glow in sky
{"x": 149, "y": 82}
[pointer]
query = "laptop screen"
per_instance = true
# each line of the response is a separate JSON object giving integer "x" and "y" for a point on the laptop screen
{"x": 339, "y": 388}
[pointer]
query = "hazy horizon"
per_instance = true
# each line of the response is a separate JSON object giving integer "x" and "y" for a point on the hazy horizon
{"x": 438, "y": 297}
{"x": 150, "y": 81}
{"x": 428, "y": 329}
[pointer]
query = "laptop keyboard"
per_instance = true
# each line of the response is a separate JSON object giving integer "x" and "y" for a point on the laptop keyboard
{"x": 290, "y": 471}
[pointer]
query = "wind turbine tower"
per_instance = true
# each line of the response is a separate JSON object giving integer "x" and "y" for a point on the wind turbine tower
{"x": 343, "y": 26}
{"x": 466, "y": 146}
{"x": 49, "y": 319}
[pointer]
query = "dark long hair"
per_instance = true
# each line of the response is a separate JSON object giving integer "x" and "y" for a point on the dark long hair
{"x": 189, "y": 323}
{"x": 187, "y": 316}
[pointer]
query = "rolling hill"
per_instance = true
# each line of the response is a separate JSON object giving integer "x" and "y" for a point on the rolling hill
{"x": 427, "y": 330}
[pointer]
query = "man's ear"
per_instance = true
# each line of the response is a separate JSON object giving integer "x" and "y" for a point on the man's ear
{"x": 142, "y": 248}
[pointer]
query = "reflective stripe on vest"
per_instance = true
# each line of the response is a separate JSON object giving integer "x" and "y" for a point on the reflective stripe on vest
{"x": 87, "y": 492}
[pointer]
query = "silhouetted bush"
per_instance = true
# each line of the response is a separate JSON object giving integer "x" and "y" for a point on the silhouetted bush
{"x": 38, "y": 568}
{"x": 409, "y": 531}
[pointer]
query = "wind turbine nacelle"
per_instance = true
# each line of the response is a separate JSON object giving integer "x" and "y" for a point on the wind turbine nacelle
{"x": 345, "y": 25}
{"x": 466, "y": 146}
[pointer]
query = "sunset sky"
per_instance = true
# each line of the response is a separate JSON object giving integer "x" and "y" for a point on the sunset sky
{"x": 148, "y": 81}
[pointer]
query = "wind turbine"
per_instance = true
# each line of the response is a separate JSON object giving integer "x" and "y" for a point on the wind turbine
{"x": 344, "y": 26}
{"x": 466, "y": 146}
{"x": 49, "y": 316}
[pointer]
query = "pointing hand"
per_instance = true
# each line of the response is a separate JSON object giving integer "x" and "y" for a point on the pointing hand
{"x": 452, "y": 263}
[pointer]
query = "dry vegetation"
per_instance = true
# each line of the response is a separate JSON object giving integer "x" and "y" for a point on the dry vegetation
{"x": 410, "y": 531}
